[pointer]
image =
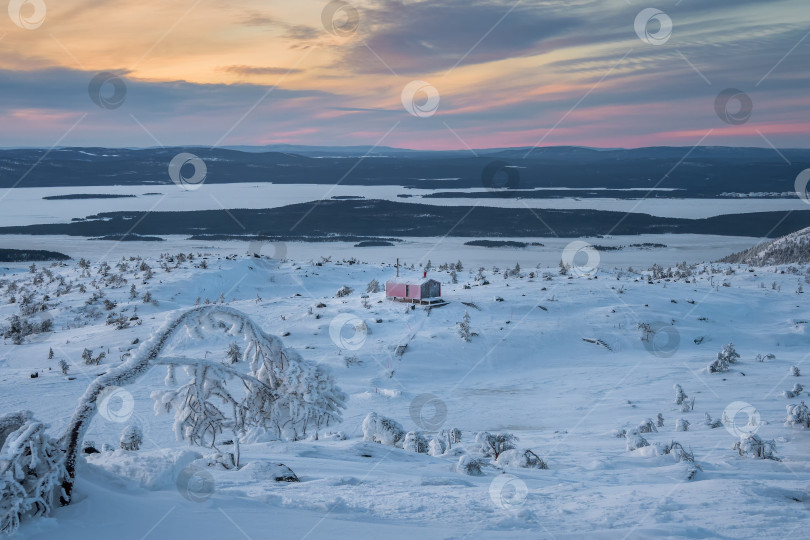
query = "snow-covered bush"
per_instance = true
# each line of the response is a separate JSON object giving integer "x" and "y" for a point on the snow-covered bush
{"x": 660, "y": 420}
{"x": 373, "y": 286}
{"x": 682, "y": 425}
{"x": 680, "y": 395}
{"x": 752, "y": 445}
{"x": 31, "y": 469}
{"x": 415, "y": 441}
{"x": 436, "y": 447}
{"x": 798, "y": 415}
{"x": 796, "y": 391}
{"x": 521, "y": 458}
{"x": 713, "y": 424}
{"x": 131, "y": 438}
{"x": 647, "y": 426}
{"x": 234, "y": 353}
{"x": 725, "y": 358}
{"x": 383, "y": 430}
{"x": 464, "y": 330}
{"x": 635, "y": 440}
{"x": 470, "y": 466}
{"x": 493, "y": 444}
{"x": 794, "y": 371}
{"x": 681, "y": 454}
{"x": 344, "y": 291}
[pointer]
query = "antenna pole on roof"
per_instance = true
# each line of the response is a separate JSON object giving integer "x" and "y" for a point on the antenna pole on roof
{"x": 397, "y": 266}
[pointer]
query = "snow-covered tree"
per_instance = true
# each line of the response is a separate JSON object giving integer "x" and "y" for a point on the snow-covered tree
{"x": 131, "y": 438}
{"x": 373, "y": 286}
{"x": 647, "y": 426}
{"x": 64, "y": 366}
{"x": 493, "y": 444}
{"x": 725, "y": 358}
{"x": 464, "y": 330}
{"x": 795, "y": 392}
{"x": 31, "y": 469}
{"x": 344, "y": 291}
{"x": 680, "y": 395}
{"x": 469, "y": 465}
{"x": 798, "y": 415}
{"x": 234, "y": 353}
{"x": 794, "y": 371}
{"x": 635, "y": 440}
{"x": 383, "y": 430}
{"x": 415, "y": 441}
{"x": 714, "y": 424}
{"x": 682, "y": 424}
{"x": 752, "y": 445}
{"x": 278, "y": 390}
{"x": 526, "y": 459}
{"x": 437, "y": 446}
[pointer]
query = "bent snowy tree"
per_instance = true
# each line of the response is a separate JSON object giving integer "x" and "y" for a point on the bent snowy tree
{"x": 280, "y": 390}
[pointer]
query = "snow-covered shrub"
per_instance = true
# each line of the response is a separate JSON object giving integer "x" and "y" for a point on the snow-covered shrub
{"x": 234, "y": 353}
{"x": 415, "y": 441}
{"x": 688, "y": 405}
{"x": 798, "y": 415}
{"x": 660, "y": 420}
{"x": 464, "y": 330}
{"x": 131, "y": 438}
{"x": 680, "y": 395}
{"x": 725, "y": 358}
{"x": 521, "y": 458}
{"x": 647, "y": 426}
{"x": 620, "y": 433}
{"x": 635, "y": 440}
{"x": 344, "y": 291}
{"x": 31, "y": 469}
{"x": 373, "y": 286}
{"x": 470, "y": 466}
{"x": 436, "y": 446}
{"x": 681, "y": 454}
{"x": 682, "y": 425}
{"x": 796, "y": 391}
{"x": 713, "y": 424}
{"x": 752, "y": 445}
{"x": 493, "y": 444}
{"x": 794, "y": 371}
{"x": 64, "y": 366}
{"x": 383, "y": 430}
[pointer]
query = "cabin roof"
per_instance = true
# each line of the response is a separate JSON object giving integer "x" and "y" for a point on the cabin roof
{"x": 411, "y": 281}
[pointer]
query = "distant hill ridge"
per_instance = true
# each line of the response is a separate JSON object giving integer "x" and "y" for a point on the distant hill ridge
{"x": 793, "y": 248}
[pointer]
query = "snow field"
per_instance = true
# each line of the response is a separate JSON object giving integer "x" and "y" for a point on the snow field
{"x": 562, "y": 379}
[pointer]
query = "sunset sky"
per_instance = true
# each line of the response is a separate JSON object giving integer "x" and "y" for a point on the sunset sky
{"x": 545, "y": 72}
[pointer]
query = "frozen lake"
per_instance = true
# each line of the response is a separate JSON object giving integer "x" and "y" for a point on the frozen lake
{"x": 26, "y": 206}
{"x": 684, "y": 247}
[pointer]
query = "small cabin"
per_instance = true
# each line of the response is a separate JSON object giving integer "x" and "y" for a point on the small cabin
{"x": 417, "y": 291}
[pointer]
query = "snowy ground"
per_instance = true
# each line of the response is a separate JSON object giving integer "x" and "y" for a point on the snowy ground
{"x": 562, "y": 377}
{"x": 26, "y": 206}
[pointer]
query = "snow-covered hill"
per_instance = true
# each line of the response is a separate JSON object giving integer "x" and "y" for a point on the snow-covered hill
{"x": 793, "y": 248}
{"x": 558, "y": 361}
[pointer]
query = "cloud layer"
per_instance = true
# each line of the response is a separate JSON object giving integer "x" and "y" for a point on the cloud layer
{"x": 508, "y": 73}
